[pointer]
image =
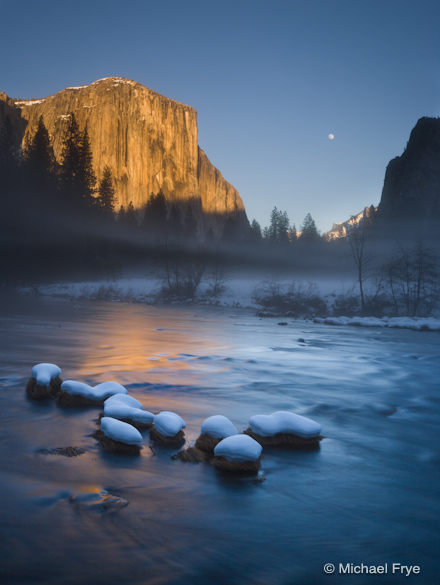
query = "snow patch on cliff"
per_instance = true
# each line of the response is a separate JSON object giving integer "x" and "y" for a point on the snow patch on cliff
{"x": 29, "y": 102}
{"x": 116, "y": 81}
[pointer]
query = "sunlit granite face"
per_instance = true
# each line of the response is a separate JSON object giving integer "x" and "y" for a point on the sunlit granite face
{"x": 149, "y": 141}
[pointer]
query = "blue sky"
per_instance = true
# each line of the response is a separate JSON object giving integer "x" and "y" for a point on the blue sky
{"x": 270, "y": 81}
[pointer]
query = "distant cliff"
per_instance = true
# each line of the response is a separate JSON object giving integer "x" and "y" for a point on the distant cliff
{"x": 411, "y": 190}
{"x": 150, "y": 142}
{"x": 340, "y": 230}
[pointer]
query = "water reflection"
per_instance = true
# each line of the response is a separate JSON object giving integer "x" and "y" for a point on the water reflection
{"x": 142, "y": 352}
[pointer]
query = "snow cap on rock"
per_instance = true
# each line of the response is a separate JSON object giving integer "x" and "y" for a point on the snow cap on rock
{"x": 125, "y": 399}
{"x": 168, "y": 423}
{"x": 44, "y": 373}
{"x": 117, "y": 409}
{"x": 267, "y": 425}
{"x": 120, "y": 431}
{"x": 99, "y": 392}
{"x": 238, "y": 448}
{"x": 218, "y": 427}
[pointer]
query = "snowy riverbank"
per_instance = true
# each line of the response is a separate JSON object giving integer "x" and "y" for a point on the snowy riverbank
{"x": 415, "y": 323}
{"x": 320, "y": 297}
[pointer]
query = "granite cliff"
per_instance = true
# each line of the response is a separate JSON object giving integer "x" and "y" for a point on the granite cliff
{"x": 341, "y": 229}
{"x": 411, "y": 190}
{"x": 150, "y": 142}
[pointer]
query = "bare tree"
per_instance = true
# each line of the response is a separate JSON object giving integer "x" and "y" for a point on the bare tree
{"x": 181, "y": 277}
{"x": 356, "y": 239}
{"x": 216, "y": 281}
{"x": 413, "y": 280}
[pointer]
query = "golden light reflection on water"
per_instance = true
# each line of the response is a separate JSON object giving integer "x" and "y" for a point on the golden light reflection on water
{"x": 134, "y": 346}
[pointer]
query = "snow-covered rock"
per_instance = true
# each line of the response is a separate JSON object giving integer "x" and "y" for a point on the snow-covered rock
{"x": 137, "y": 416}
{"x": 120, "y": 431}
{"x": 44, "y": 382}
{"x": 74, "y": 392}
{"x": 268, "y": 425}
{"x": 168, "y": 423}
{"x": 238, "y": 448}
{"x": 218, "y": 427}
{"x": 106, "y": 389}
{"x": 214, "y": 429}
{"x": 44, "y": 373}
{"x": 124, "y": 399}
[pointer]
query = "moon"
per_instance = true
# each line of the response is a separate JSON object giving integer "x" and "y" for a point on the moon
{"x": 331, "y": 136}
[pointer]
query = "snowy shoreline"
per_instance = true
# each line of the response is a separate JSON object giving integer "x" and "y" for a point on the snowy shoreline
{"x": 237, "y": 293}
{"x": 414, "y": 323}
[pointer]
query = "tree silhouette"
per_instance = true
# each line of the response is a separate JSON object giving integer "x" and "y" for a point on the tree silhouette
{"x": 255, "y": 232}
{"x": 293, "y": 234}
{"x": 77, "y": 176}
{"x": 40, "y": 164}
{"x": 309, "y": 233}
{"x": 8, "y": 159}
{"x": 87, "y": 174}
{"x": 155, "y": 217}
{"x": 106, "y": 193}
{"x": 278, "y": 230}
{"x": 130, "y": 216}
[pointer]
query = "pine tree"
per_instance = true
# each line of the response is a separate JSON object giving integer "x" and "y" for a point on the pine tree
{"x": 70, "y": 163}
{"x": 8, "y": 159}
{"x": 283, "y": 228}
{"x": 309, "y": 233}
{"x": 155, "y": 217}
{"x": 273, "y": 227}
{"x": 277, "y": 232}
{"x": 292, "y": 234}
{"x": 131, "y": 217}
{"x": 77, "y": 175}
{"x": 40, "y": 162}
{"x": 121, "y": 215}
{"x": 10, "y": 194}
{"x": 106, "y": 192}
{"x": 255, "y": 231}
{"x": 87, "y": 174}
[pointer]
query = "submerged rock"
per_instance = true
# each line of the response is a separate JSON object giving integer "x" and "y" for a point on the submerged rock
{"x": 192, "y": 455}
{"x": 101, "y": 501}
{"x": 65, "y": 451}
{"x": 45, "y": 381}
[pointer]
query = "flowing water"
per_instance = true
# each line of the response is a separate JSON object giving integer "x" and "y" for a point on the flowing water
{"x": 369, "y": 494}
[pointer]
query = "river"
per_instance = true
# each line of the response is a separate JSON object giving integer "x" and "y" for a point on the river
{"x": 368, "y": 495}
